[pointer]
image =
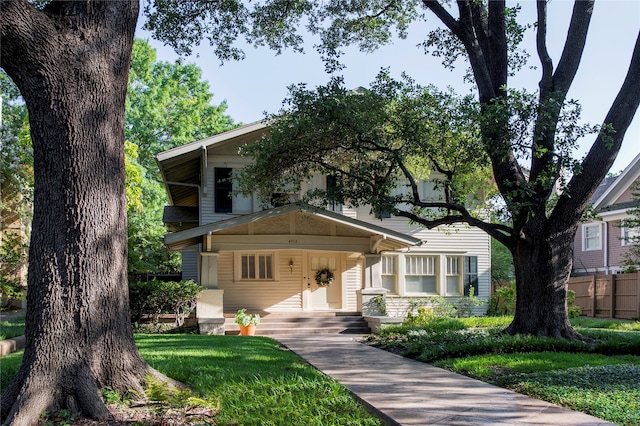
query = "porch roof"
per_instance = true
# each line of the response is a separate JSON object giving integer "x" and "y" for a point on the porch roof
{"x": 282, "y": 221}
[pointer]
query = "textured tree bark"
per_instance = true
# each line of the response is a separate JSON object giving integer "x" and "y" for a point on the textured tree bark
{"x": 541, "y": 243}
{"x": 542, "y": 265}
{"x": 71, "y": 63}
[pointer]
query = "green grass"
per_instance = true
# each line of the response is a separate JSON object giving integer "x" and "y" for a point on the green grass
{"x": 600, "y": 378}
{"x": 602, "y": 386}
{"x": 251, "y": 379}
{"x": 608, "y": 324}
{"x": 255, "y": 380}
{"x": 9, "y": 365}
{"x": 11, "y": 328}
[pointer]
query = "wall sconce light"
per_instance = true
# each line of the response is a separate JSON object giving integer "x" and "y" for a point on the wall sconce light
{"x": 291, "y": 264}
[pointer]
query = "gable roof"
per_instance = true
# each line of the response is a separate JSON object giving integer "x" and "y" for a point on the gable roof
{"x": 380, "y": 238}
{"x": 611, "y": 190}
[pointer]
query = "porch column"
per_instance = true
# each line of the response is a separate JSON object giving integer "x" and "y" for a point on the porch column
{"x": 372, "y": 270}
{"x": 208, "y": 269}
{"x": 209, "y": 310}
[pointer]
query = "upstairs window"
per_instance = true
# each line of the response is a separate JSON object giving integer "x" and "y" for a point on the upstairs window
{"x": 223, "y": 189}
{"x": 591, "y": 239}
{"x": 331, "y": 186}
{"x": 630, "y": 236}
{"x": 432, "y": 191}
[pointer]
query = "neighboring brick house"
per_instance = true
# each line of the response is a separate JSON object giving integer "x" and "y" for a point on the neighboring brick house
{"x": 269, "y": 260}
{"x": 600, "y": 245}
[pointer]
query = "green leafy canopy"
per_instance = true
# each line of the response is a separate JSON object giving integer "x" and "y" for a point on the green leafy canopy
{"x": 372, "y": 141}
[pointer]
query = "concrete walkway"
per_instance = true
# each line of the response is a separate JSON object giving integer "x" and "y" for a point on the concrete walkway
{"x": 407, "y": 392}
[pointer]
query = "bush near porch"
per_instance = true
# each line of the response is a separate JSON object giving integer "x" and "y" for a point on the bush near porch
{"x": 149, "y": 301}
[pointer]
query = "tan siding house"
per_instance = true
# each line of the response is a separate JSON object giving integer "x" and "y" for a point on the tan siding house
{"x": 299, "y": 258}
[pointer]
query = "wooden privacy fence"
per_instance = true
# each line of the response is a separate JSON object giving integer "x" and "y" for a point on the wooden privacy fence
{"x": 608, "y": 296}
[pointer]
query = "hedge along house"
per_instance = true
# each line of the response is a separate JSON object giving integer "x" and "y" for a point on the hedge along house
{"x": 298, "y": 258}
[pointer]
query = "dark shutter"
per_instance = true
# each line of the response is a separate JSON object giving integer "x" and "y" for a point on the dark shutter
{"x": 470, "y": 275}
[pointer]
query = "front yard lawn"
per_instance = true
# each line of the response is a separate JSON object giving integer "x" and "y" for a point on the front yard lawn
{"x": 11, "y": 328}
{"x": 250, "y": 380}
{"x": 601, "y": 379}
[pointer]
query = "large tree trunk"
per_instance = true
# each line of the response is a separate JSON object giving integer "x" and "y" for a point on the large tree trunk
{"x": 542, "y": 264}
{"x": 71, "y": 64}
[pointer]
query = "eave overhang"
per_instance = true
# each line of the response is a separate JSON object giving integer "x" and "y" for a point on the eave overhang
{"x": 181, "y": 167}
{"x": 348, "y": 233}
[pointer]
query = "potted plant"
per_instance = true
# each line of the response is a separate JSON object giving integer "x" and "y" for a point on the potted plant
{"x": 247, "y": 322}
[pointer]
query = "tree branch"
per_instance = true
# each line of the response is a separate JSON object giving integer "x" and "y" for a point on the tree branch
{"x": 383, "y": 10}
{"x": 444, "y": 16}
{"x": 541, "y": 45}
{"x": 573, "y": 47}
{"x": 21, "y": 27}
{"x": 604, "y": 150}
{"x": 500, "y": 232}
{"x": 497, "y": 49}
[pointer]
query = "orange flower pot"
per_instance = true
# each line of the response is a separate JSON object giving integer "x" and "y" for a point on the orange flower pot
{"x": 247, "y": 330}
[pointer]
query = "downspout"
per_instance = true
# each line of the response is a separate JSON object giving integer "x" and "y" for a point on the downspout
{"x": 203, "y": 167}
{"x": 606, "y": 246}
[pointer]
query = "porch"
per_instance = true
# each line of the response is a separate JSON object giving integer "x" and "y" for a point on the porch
{"x": 292, "y": 260}
{"x": 303, "y": 323}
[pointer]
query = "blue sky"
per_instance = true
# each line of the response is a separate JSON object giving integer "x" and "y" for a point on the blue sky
{"x": 259, "y": 83}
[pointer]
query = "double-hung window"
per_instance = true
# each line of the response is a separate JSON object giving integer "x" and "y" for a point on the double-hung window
{"x": 388, "y": 273}
{"x": 421, "y": 274}
{"x": 331, "y": 185}
{"x": 630, "y": 236}
{"x": 225, "y": 201}
{"x": 454, "y": 276}
{"x": 591, "y": 239}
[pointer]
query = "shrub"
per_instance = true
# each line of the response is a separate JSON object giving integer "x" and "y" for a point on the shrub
{"x": 12, "y": 260}
{"x": 465, "y": 305}
{"x": 573, "y": 310}
{"x": 424, "y": 310}
{"x": 380, "y": 302}
{"x": 503, "y": 301}
{"x": 159, "y": 297}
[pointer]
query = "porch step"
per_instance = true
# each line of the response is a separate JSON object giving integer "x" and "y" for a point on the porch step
{"x": 308, "y": 323}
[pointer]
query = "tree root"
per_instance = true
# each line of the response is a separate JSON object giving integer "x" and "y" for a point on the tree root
{"x": 31, "y": 394}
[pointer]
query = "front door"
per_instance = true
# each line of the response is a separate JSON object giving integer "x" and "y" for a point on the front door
{"x": 324, "y": 296}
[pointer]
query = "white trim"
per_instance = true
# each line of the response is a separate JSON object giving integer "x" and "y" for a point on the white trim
{"x": 584, "y": 236}
{"x": 620, "y": 185}
{"x": 237, "y": 268}
{"x": 208, "y": 142}
{"x": 631, "y": 234}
